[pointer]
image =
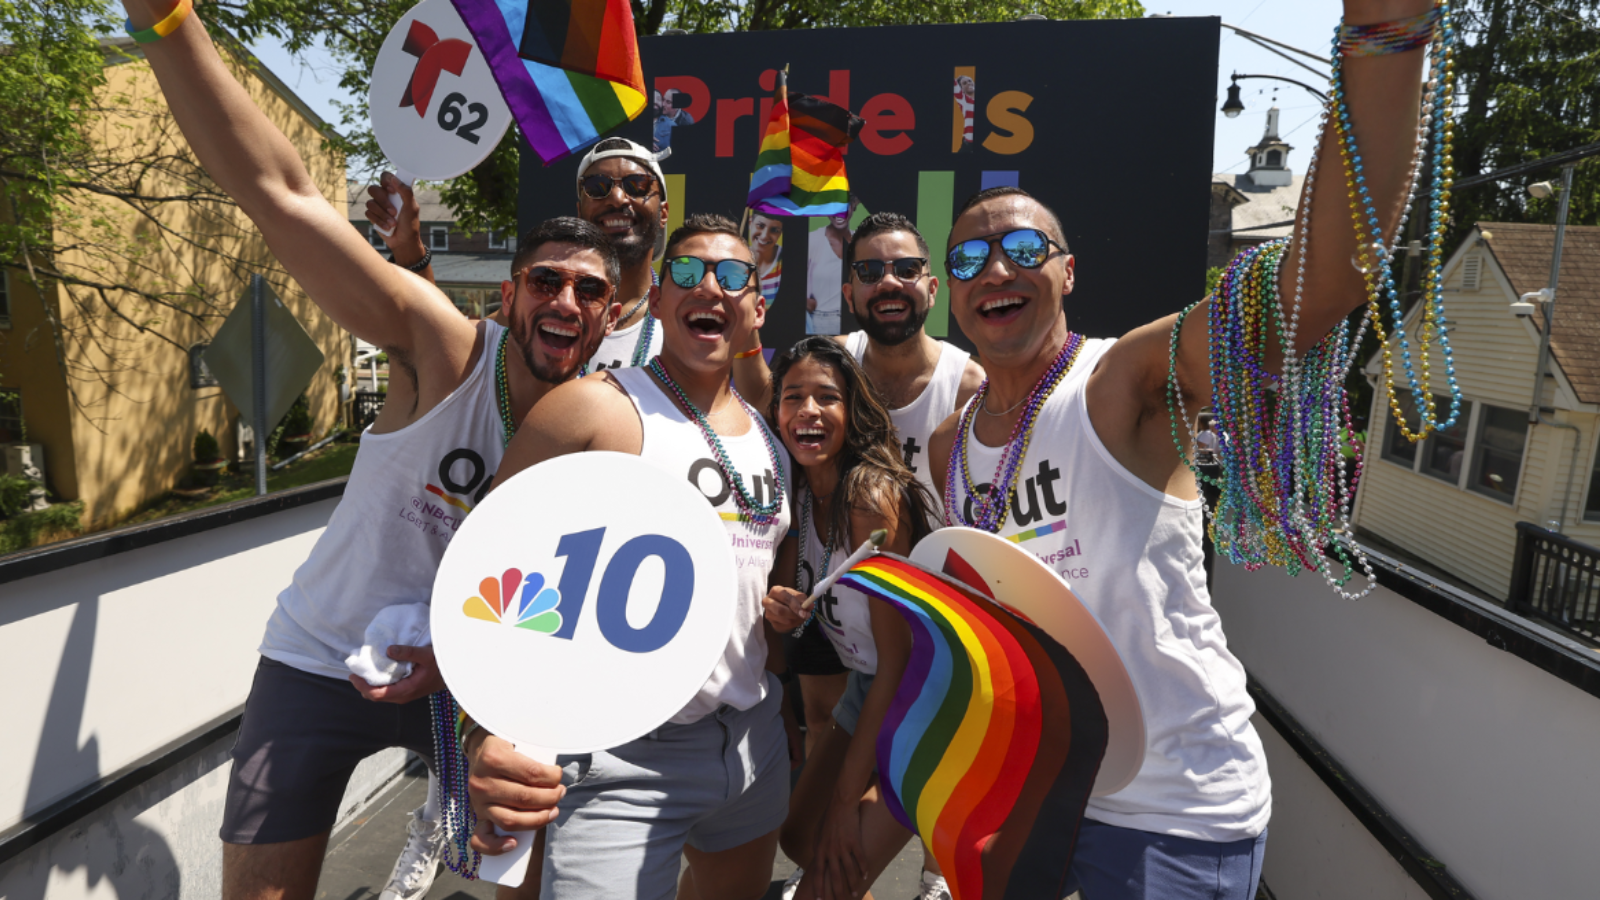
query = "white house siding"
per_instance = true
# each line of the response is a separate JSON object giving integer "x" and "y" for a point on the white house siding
{"x": 1468, "y": 534}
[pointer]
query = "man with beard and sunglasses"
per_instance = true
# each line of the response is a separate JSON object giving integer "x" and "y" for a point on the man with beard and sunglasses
{"x": 622, "y": 192}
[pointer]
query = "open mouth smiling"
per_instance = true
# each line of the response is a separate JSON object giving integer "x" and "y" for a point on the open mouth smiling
{"x": 558, "y": 337}
{"x": 1001, "y": 308}
{"x": 706, "y": 323}
{"x": 808, "y": 437}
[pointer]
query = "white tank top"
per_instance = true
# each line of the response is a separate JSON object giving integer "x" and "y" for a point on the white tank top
{"x": 407, "y": 495}
{"x": 842, "y": 613}
{"x": 618, "y": 348}
{"x": 916, "y": 420}
{"x": 1133, "y": 556}
{"x": 674, "y": 443}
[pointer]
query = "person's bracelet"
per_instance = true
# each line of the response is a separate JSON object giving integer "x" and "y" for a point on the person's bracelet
{"x": 746, "y": 354}
{"x": 419, "y": 265}
{"x": 162, "y": 28}
{"x": 1381, "y": 38}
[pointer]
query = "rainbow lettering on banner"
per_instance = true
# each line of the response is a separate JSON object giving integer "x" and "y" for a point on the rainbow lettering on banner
{"x": 496, "y": 596}
{"x": 569, "y": 69}
{"x": 992, "y": 743}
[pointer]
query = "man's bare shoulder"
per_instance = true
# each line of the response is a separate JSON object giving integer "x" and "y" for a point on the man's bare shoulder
{"x": 971, "y": 379}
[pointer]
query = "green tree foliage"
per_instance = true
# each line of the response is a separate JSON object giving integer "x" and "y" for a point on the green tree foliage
{"x": 1528, "y": 85}
{"x": 485, "y": 198}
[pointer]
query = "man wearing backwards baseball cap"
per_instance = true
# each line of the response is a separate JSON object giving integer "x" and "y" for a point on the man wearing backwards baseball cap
{"x": 621, "y": 190}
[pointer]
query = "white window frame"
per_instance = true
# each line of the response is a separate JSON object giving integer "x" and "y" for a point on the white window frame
{"x": 499, "y": 243}
{"x": 439, "y": 237}
{"x": 1584, "y": 514}
{"x": 1469, "y": 471}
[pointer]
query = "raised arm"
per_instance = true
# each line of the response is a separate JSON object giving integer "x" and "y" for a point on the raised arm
{"x": 257, "y": 166}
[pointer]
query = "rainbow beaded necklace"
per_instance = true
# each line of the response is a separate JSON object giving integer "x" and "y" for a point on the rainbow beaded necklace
{"x": 762, "y": 514}
{"x": 990, "y": 510}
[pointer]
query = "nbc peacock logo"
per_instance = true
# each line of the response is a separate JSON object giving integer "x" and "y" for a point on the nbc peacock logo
{"x": 498, "y": 601}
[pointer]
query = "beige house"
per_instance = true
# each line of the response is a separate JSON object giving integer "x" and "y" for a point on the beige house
{"x": 1454, "y": 499}
{"x": 108, "y": 384}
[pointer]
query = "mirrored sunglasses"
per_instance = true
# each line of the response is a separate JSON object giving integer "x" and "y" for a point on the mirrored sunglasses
{"x": 1027, "y": 247}
{"x": 731, "y": 274}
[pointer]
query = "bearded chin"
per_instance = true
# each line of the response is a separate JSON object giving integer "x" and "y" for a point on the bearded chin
{"x": 637, "y": 247}
{"x": 893, "y": 334}
{"x": 554, "y": 372}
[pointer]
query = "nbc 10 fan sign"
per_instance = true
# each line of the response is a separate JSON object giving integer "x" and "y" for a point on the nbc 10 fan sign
{"x": 583, "y": 603}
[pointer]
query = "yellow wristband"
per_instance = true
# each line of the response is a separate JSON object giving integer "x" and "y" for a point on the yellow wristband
{"x": 746, "y": 354}
{"x": 162, "y": 28}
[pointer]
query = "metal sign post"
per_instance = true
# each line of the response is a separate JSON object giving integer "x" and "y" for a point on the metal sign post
{"x": 258, "y": 377}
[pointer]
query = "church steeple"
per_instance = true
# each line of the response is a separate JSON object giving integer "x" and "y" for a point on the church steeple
{"x": 1269, "y": 159}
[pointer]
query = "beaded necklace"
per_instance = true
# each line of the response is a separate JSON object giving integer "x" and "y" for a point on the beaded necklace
{"x": 990, "y": 510}
{"x": 827, "y": 553}
{"x": 1283, "y": 442}
{"x": 641, "y": 344}
{"x": 762, "y": 514}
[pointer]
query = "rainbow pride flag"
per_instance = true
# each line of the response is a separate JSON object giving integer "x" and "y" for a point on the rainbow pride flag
{"x": 569, "y": 69}
{"x": 800, "y": 167}
{"x": 992, "y": 743}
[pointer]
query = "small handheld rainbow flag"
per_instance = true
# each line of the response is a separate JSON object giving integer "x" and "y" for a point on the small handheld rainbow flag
{"x": 800, "y": 169}
{"x": 569, "y": 69}
{"x": 992, "y": 743}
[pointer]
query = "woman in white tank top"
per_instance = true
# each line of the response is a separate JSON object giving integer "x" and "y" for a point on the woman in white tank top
{"x": 856, "y": 481}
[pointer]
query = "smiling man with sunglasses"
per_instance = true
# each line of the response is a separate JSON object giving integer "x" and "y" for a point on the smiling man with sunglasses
{"x": 621, "y": 190}
{"x": 712, "y": 785}
{"x": 1073, "y": 440}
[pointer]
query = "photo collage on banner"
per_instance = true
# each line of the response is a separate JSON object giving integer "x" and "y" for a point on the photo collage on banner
{"x": 1113, "y": 132}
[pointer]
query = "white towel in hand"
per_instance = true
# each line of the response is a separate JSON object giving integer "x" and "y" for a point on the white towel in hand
{"x": 404, "y": 624}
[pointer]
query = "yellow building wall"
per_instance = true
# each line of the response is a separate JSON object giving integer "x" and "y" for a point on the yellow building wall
{"x": 28, "y": 364}
{"x": 135, "y": 416}
{"x": 1468, "y": 534}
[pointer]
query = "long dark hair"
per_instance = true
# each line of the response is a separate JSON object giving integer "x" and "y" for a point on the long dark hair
{"x": 871, "y": 468}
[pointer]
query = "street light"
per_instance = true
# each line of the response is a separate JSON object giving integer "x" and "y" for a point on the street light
{"x": 1233, "y": 106}
{"x": 1542, "y": 190}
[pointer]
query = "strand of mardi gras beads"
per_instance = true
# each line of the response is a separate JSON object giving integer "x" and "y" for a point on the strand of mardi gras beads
{"x": 641, "y": 344}
{"x": 1374, "y": 254}
{"x": 1283, "y": 493}
{"x": 450, "y": 764}
{"x": 989, "y": 511}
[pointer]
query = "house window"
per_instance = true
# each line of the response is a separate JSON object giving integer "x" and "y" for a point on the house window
{"x": 5, "y": 298}
{"x": 200, "y": 375}
{"x": 1591, "y": 506}
{"x": 1445, "y": 452}
{"x": 375, "y": 236}
{"x": 1497, "y": 456}
{"x": 497, "y": 241}
{"x": 438, "y": 238}
{"x": 1274, "y": 158}
{"x": 1396, "y": 448}
{"x": 10, "y": 415}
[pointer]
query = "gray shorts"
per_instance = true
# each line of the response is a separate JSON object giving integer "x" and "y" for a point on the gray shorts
{"x": 714, "y": 784}
{"x": 301, "y": 737}
{"x": 848, "y": 711}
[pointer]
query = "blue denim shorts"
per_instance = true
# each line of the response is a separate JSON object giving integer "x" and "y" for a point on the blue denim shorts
{"x": 848, "y": 711}
{"x": 1114, "y": 863}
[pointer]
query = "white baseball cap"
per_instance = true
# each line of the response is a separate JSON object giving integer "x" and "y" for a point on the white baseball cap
{"x": 639, "y": 155}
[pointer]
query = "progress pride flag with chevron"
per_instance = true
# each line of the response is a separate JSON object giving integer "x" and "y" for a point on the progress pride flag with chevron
{"x": 569, "y": 69}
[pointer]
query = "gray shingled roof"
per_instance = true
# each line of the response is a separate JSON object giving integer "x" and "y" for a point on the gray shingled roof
{"x": 1265, "y": 206}
{"x": 471, "y": 269}
{"x": 433, "y": 209}
{"x": 1523, "y": 252}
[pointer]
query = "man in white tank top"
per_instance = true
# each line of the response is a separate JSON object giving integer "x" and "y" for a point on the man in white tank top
{"x": 1102, "y": 497}
{"x": 622, "y": 191}
{"x": 890, "y": 288}
{"x": 711, "y": 784}
{"x": 426, "y": 460}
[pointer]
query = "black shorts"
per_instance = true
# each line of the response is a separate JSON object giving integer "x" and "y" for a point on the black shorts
{"x": 813, "y": 654}
{"x": 300, "y": 740}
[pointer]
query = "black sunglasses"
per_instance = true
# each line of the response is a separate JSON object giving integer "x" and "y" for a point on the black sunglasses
{"x": 731, "y": 274}
{"x": 598, "y": 187}
{"x": 1027, "y": 247}
{"x": 870, "y": 271}
{"x": 545, "y": 283}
